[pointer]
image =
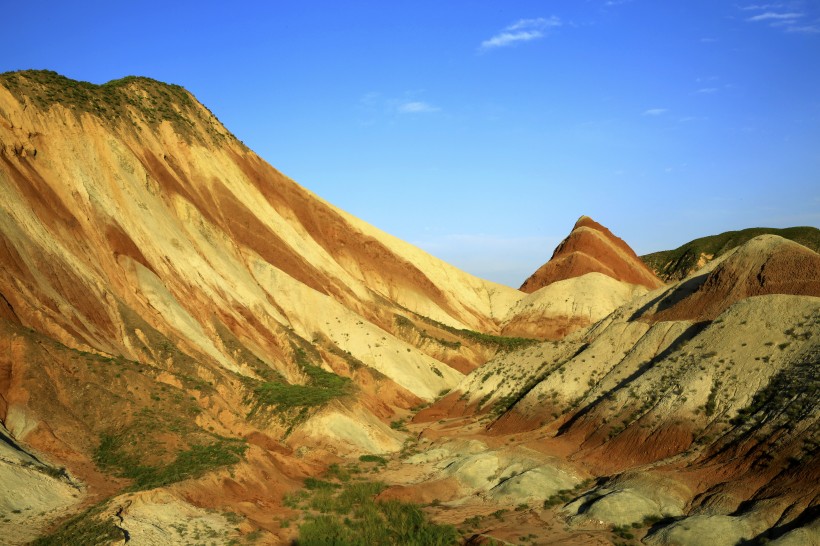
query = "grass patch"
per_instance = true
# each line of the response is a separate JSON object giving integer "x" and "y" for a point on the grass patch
{"x": 284, "y": 396}
{"x": 399, "y": 424}
{"x": 349, "y": 515}
{"x": 373, "y": 459}
{"x": 89, "y": 527}
{"x": 561, "y": 497}
{"x": 322, "y": 387}
{"x": 124, "y": 101}
{"x": 116, "y": 453}
{"x": 503, "y": 343}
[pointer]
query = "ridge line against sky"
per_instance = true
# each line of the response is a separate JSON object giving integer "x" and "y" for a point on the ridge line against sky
{"x": 479, "y": 130}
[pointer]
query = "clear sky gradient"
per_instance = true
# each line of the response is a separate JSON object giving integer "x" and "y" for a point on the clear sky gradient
{"x": 480, "y": 130}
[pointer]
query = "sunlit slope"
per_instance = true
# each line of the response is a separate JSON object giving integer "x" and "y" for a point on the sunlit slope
{"x": 590, "y": 247}
{"x": 674, "y": 265}
{"x": 168, "y": 301}
{"x": 132, "y": 195}
{"x": 710, "y": 382}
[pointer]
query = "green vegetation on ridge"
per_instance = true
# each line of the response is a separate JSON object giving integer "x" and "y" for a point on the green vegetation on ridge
{"x": 503, "y": 343}
{"x": 112, "y": 454}
{"x": 88, "y": 527}
{"x": 121, "y": 100}
{"x": 672, "y": 265}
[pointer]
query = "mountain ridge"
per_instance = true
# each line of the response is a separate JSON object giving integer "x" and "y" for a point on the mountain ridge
{"x": 677, "y": 264}
{"x": 191, "y": 344}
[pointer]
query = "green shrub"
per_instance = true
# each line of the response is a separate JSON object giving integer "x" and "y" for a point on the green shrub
{"x": 111, "y": 454}
{"x": 89, "y": 527}
{"x": 351, "y": 516}
{"x": 373, "y": 459}
{"x": 322, "y": 387}
{"x": 313, "y": 484}
{"x": 623, "y": 531}
{"x": 398, "y": 424}
{"x": 561, "y": 497}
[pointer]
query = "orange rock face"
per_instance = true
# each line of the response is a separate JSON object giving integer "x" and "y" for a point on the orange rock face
{"x": 591, "y": 247}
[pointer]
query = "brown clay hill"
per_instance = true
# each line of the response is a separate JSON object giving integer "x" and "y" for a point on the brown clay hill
{"x": 590, "y": 247}
{"x": 767, "y": 264}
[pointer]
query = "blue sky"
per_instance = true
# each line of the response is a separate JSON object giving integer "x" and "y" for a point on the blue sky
{"x": 481, "y": 130}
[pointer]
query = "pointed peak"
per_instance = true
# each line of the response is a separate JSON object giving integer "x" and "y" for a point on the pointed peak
{"x": 591, "y": 247}
{"x": 586, "y": 221}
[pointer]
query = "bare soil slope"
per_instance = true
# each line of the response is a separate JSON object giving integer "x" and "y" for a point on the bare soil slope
{"x": 162, "y": 286}
{"x": 590, "y": 247}
{"x": 693, "y": 406}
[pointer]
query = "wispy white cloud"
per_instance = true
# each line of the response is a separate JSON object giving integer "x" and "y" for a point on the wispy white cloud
{"x": 523, "y": 30}
{"x": 416, "y": 107}
{"x": 807, "y": 29}
{"x": 374, "y": 106}
{"x": 655, "y": 112}
{"x": 539, "y": 23}
{"x": 761, "y": 7}
{"x": 774, "y": 16}
{"x": 707, "y": 90}
{"x": 509, "y": 38}
{"x": 783, "y": 16}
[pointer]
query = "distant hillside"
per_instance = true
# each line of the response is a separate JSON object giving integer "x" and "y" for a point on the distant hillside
{"x": 673, "y": 265}
{"x": 590, "y": 247}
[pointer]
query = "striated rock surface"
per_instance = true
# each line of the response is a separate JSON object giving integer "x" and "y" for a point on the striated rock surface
{"x": 186, "y": 335}
{"x": 160, "y": 284}
{"x": 590, "y": 247}
{"x": 694, "y": 405}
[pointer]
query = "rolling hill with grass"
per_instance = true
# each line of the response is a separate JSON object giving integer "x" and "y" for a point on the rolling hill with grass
{"x": 677, "y": 264}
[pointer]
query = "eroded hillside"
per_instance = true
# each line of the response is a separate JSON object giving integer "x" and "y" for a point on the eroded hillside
{"x": 163, "y": 286}
{"x": 193, "y": 348}
{"x": 692, "y": 407}
{"x": 674, "y": 265}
